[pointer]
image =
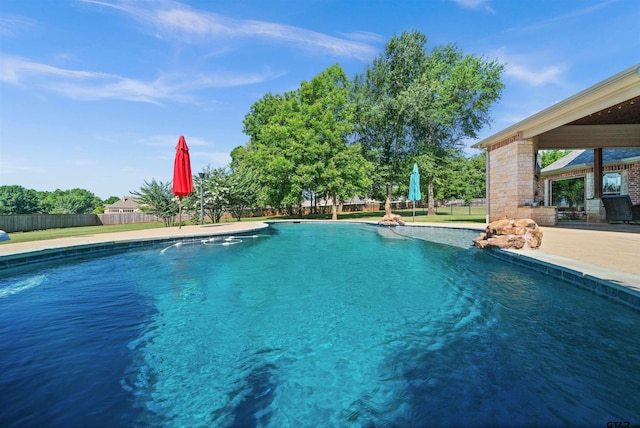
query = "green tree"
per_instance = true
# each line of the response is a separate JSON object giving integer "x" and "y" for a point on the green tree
{"x": 68, "y": 204}
{"x": 436, "y": 169}
{"x": 329, "y": 164}
{"x": 73, "y": 201}
{"x": 111, "y": 200}
{"x": 159, "y": 200}
{"x": 298, "y": 143}
{"x": 476, "y": 172}
{"x": 411, "y": 104}
{"x": 217, "y": 190}
{"x": 547, "y": 157}
{"x": 271, "y": 125}
{"x": 569, "y": 191}
{"x": 243, "y": 192}
{"x": 18, "y": 200}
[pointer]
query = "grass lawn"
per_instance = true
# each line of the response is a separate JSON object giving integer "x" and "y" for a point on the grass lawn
{"x": 443, "y": 215}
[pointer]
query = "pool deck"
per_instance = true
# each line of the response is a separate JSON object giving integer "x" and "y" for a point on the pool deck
{"x": 611, "y": 254}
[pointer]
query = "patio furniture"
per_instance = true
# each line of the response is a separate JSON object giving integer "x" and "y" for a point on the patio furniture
{"x": 620, "y": 208}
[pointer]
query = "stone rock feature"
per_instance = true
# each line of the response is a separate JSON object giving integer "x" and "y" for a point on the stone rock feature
{"x": 510, "y": 233}
{"x": 391, "y": 220}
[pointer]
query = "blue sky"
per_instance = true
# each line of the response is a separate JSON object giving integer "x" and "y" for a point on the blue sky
{"x": 94, "y": 94}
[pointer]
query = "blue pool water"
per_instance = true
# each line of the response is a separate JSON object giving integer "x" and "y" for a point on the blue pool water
{"x": 311, "y": 325}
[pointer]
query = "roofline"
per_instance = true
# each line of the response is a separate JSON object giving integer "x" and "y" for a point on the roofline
{"x": 623, "y": 161}
{"x": 615, "y": 89}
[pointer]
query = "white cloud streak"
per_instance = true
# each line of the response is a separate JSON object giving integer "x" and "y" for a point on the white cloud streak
{"x": 173, "y": 20}
{"x": 538, "y": 26}
{"x": 87, "y": 85}
{"x": 539, "y": 77}
{"x": 11, "y": 25}
{"x": 519, "y": 67}
{"x": 475, "y": 4}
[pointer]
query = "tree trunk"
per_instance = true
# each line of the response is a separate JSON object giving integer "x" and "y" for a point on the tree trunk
{"x": 387, "y": 202}
{"x": 432, "y": 210}
{"x": 334, "y": 208}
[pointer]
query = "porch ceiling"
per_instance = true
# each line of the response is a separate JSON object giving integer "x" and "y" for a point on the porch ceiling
{"x": 615, "y": 126}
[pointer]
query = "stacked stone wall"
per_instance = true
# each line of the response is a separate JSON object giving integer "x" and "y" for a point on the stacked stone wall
{"x": 525, "y": 172}
{"x": 511, "y": 172}
{"x": 502, "y": 184}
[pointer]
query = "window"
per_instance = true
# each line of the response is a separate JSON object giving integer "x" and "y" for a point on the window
{"x": 568, "y": 194}
{"x": 611, "y": 183}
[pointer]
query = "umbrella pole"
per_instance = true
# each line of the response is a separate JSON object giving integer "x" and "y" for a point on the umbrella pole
{"x": 414, "y": 211}
{"x": 180, "y": 212}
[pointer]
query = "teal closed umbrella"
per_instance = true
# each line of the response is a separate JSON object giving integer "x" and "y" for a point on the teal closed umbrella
{"x": 414, "y": 188}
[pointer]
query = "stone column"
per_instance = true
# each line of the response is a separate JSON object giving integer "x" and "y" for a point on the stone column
{"x": 512, "y": 182}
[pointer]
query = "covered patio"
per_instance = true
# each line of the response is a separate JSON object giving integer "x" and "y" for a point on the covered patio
{"x": 604, "y": 116}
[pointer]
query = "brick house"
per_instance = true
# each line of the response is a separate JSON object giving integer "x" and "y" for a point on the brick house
{"x": 620, "y": 168}
{"x": 604, "y": 116}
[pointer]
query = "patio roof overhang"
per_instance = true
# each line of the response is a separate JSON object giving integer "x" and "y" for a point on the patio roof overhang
{"x": 606, "y": 115}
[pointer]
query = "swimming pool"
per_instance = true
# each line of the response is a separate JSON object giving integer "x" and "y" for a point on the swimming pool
{"x": 311, "y": 325}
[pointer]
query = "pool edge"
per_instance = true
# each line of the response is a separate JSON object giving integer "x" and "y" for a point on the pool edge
{"x": 49, "y": 254}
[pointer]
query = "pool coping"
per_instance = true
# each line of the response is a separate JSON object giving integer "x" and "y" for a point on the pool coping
{"x": 616, "y": 285}
{"x": 55, "y": 252}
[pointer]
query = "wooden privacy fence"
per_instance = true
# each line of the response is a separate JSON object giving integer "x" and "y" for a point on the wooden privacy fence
{"x": 131, "y": 218}
{"x": 29, "y": 222}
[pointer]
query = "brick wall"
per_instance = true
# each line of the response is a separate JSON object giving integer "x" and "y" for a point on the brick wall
{"x": 634, "y": 182}
{"x": 631, "y": 178}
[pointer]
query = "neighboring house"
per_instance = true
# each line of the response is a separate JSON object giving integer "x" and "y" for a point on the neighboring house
{"x": 620, "y": 169}
{"x": 124, "y": 205}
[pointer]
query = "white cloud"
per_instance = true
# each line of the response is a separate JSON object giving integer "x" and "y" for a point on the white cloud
{"x": 87, "y": 85}
{"x": 364, "y": 36}
{"x": 535, "y": 77}
{"x": 173, "y": 20}
{"x": 475, "y": 4}
{"x": 11, "y": 25}
{"x": 530, "y": 69}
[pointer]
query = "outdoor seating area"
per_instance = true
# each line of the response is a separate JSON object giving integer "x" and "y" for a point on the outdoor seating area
{"x": 620, "y": 208}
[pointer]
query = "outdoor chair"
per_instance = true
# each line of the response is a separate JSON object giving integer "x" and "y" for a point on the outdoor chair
{"x": 620, "y": 208}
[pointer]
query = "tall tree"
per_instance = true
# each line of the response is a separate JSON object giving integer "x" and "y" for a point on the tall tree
{"x": 333, "y": 167}
{"x": 381, "y": 124}
{"x": 298, "y": 143}
{"x": 436, "y": 166}
{"x": 271, "y": 124}
{"x": 411, "y": 103}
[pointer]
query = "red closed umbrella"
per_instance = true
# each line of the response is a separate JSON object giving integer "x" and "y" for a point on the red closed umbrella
{"x": 182, "y": 179}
